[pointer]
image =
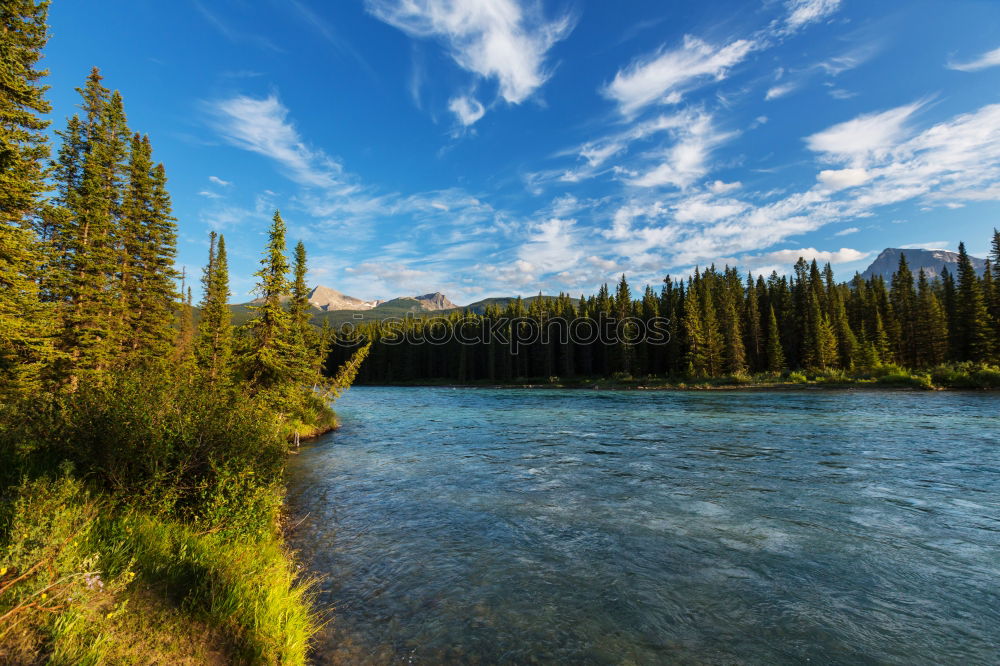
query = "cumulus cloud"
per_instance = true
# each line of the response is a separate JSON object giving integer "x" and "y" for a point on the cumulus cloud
{"x": 788, "y": 257}
{"x": 665, "y": 76}
{"x": 988, "y": 59}
{"x": 502, "y": 39}
{"x": 719, "y": 187}
{"x": 467, "y": 109}
{"x": 840, "y": 179}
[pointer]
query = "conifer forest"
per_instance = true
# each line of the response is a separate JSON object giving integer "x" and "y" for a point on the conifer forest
{"x": 744, "y": 464}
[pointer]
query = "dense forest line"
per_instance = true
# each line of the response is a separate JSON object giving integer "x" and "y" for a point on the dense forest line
{"x": 716, "y": 324}
{"x": 141, "y": 453}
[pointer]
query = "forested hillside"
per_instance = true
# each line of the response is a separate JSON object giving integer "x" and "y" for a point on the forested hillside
{"x": 715, "y": 324}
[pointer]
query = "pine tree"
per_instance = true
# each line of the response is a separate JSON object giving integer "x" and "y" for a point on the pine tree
{"x": 932, "y": 340}
{"x": 157, "y": 252}
{"x": 847, "y": 342}
{"x": 879, "y": 343}
{"x": 753, "y": 328}
{"x": 215, "y": 331}
{"x": 694, "y": 327}
{"x": 714, "y": 343}
{"x": 300, "y": 297}
{"x": 93, "y": 164}
{"x": 994, "y": 295}
{"x": 622, "y": 351}
{"x": 25, "y": 323}
{"x": 973, "y": 331}
{"x": 303, "y": 340}
{"x": 904, "y": 304}
{"x": 269, "y": 359}
{"x": 775, "y": 354}
{"x": 949, "y": 300}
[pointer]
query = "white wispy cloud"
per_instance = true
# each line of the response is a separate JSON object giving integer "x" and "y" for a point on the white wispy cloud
{"x": 864, "y": 138}
{"x": 467, "y": 109}
{"x": 506, "y": 40}
{"x": 774, "y": 92}
{"x": 665, "y": 76}
{"x": 209, "y": 195}
{"x": 988, "y": 59}
{"x": 687, "y": 160}
{"x": 218, "y": 181}
{"x": 804, "y": 12}
{"x": 848, "y": 231}
{"x": 550, "y": 247}
{"x": 932, "y": 245}
{"x": 262, "y": 126}
{"x": 949, "y": 163}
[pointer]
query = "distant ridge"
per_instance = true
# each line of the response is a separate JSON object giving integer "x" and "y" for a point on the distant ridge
{"x": 328, "y": 299}
{"x": 932, "y": 261}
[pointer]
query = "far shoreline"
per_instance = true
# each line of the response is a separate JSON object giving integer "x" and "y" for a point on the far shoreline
{"x": 762, "y": 387}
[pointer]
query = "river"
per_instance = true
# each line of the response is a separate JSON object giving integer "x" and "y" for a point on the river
{"x": 574, "y": 526}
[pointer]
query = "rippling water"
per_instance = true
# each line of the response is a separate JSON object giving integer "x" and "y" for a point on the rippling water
{"x": 522, "y": 526}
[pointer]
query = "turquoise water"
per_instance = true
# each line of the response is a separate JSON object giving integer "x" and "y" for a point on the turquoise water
{"x": 522, "y": 526}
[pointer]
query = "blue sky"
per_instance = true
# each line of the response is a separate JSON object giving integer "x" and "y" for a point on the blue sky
{"x": 497, "y": 147}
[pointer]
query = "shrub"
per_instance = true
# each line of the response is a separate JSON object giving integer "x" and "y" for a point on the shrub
{"x": 967, "y": 375}
{"x": 905, "y": 378}
{"x": 147, "y": 440}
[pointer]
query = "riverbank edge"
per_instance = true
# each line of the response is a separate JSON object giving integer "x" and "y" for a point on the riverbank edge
{"x": 257, "y": 606}
{"x": 907, "y": 384}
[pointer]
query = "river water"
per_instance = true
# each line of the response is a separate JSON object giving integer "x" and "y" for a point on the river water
{"x": 568, "y": 526}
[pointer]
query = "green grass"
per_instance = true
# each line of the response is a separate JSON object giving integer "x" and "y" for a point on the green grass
{"x": 139, "y": 524}
{"x": 84, "y": 583}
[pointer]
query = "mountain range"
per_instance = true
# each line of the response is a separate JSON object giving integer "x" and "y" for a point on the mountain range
{"x": 932, "y": 261}
{"x": 338, "y": 307}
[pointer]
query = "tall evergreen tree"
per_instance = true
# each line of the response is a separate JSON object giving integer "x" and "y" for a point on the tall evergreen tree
{"x": 972, "y": 328}
{"x": 932, "y": 334}
{"x": 993, "y": 296}
{"x": 753, "y": 326}
{"x": 775, "y": 354}
{"x": 25, "y": 323}
{"x": 215, "y": 331}
{"x": 903, "y": 298}
{"x": 270, "y": 357}
{"x": 300, "y": 296}
{"x": 93, "y": 162}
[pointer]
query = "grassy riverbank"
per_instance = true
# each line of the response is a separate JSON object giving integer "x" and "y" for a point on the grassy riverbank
{"x": 950, "y": 376}
{"x": 139, "y": 523}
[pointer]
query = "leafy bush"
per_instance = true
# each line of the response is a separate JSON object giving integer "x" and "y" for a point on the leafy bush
{"x": 905, "y": 378}
{"x": 967, "y": 375}
{"x": 148, "y": 440}
{"x": 798, "y": 378}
